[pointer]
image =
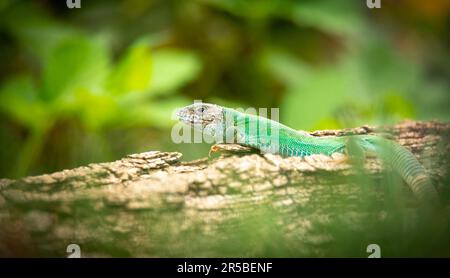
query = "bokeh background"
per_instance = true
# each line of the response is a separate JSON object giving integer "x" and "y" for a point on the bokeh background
{"x": 94, "y": 84}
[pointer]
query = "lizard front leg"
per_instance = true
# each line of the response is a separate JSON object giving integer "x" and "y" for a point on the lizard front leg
{"x": 231, "y": 148}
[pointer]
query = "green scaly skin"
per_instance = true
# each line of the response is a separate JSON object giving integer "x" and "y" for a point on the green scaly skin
{"x": 273, "y": 137}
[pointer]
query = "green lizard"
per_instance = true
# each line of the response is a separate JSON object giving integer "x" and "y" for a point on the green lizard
{"x": 231, "y": 126}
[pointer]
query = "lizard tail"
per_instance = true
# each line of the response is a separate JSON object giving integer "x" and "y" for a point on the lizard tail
{"x": 407, "y": 166}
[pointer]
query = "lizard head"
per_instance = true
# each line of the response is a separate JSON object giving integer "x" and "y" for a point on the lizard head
{"x": 201, "y": 114}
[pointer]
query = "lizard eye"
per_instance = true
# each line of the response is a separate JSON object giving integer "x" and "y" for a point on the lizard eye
{"x": 201, "y": 109}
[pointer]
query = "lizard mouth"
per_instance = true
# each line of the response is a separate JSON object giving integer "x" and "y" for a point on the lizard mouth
{"x": 202, "y": 121}
{"x": 192, "y": 119}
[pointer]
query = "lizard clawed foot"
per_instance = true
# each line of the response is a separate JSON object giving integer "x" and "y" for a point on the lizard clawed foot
{"x": 230, "y": 148}
{"x": 213, "y": 149}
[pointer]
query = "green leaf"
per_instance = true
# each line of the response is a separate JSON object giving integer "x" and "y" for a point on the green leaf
{"x": 19, "y": 100}
{"x": 173, "y": 68}
{"x": 133, "y": 72}
{"x": 76, "y": 63}
{"x": 314, "y": 94}
{"x": 96, "y": 111}
{"x": 314, "y": 99}
{"x": 397, "y": 107}
{"x": 255, "y": 9}
{"x": 284, "y": 67}
{"x": 335, "y": 17}
{"x": 385, "y": 69}
{"x": 155, "y": 113}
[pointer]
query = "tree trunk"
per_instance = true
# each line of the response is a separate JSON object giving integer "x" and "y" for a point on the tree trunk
{"x": 240, "y": 204}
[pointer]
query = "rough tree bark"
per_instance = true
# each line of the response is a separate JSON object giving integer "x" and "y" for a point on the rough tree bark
{"x": 240, "y": 204}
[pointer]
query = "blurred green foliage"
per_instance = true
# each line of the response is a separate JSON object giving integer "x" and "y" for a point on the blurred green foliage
{"x": 93, "y": 84}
